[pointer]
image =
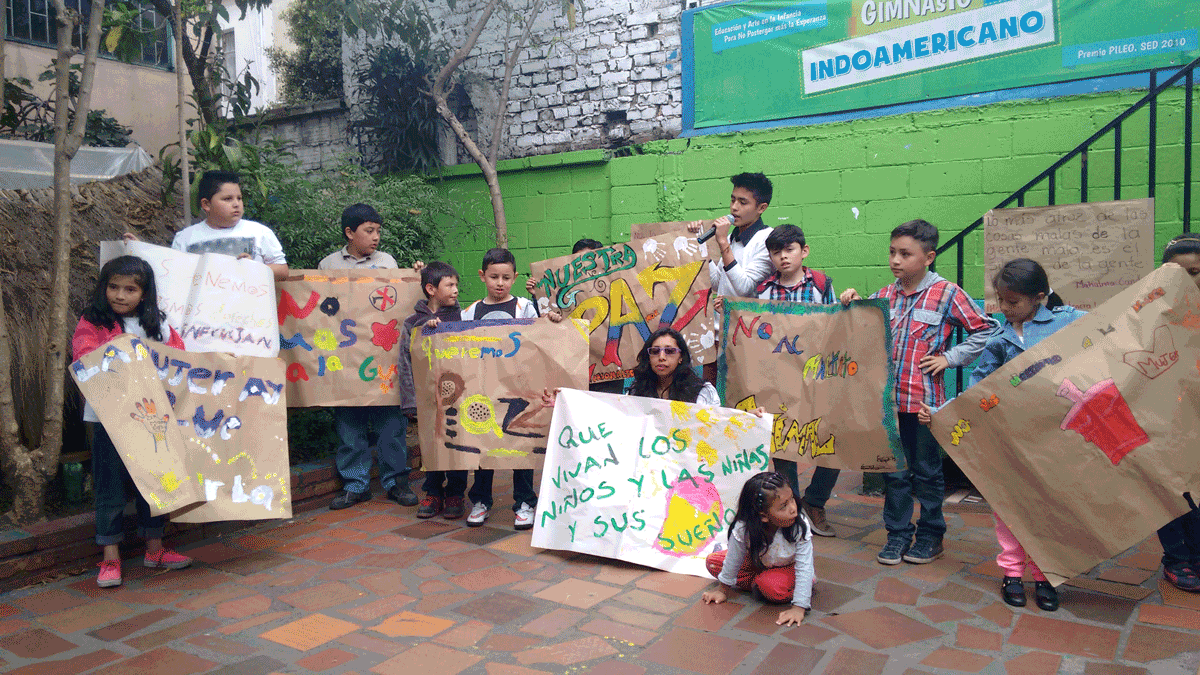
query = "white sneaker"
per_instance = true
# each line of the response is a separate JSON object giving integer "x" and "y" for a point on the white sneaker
{"x": 524, "y": 519}
{"x": 479, "y": 513}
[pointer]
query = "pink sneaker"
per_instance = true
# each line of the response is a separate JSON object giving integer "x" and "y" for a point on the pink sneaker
{"x": 110, "y": 574}
{"x": 165, "y": 557}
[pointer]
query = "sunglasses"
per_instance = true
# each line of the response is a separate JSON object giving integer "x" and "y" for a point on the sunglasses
{"x": 669, "y": 351}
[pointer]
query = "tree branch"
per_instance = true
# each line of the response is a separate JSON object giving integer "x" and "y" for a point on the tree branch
{"x": 509, "y": 66}
{"x": 460, "y": 55}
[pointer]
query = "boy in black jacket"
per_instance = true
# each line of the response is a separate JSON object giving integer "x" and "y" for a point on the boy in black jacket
{"x": 439, "y": 281}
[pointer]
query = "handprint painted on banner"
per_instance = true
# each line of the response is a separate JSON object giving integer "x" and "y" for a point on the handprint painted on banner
{"x": 686, "y": 246}
{"x": 655, "y": 249}
{"x": 155, "y": 425}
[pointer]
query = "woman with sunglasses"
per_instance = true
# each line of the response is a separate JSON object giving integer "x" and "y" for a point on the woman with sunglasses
{"x": 664, "y": 370}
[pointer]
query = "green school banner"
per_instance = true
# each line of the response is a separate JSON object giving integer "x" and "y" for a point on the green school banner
{"x": 774, "y": 59}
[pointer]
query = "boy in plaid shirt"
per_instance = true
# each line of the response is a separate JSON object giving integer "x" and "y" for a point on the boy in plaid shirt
{"x": 925, "y": 309}
{"x": 793, "y": 282}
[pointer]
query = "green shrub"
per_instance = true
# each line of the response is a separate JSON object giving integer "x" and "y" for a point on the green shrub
{"x": 310, "y": 435}
{"x": 306, "y": 213}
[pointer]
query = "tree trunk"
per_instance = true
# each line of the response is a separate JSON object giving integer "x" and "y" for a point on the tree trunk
{"x": 196, "y": 65}
{"x": 31, "y": 469}
{"x": 489, "y": 170}
{"x": 440, "y": 93}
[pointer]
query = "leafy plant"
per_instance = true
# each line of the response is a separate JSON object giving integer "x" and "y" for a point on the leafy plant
{"x": 29, "y": 117}
{"x": 418, "y": 217}
{"x": 397, "y": 124}
{"x": 313, "y": 72}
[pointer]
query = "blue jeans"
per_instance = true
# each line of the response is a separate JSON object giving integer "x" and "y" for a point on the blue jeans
{"x": 109, "y": 480}
{"x": 819, "y": 488}
{"x": 923, "y": 481}
{"x": 481, "y": 489}
{"x": 1180, "y": 540}
{"x": 354, "y": 455}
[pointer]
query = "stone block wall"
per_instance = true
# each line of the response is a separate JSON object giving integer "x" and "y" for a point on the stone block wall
{"x": 317, "y": 132}
{"x": 612, "y": 80}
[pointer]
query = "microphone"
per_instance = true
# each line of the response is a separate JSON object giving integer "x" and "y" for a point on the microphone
{"x": 712, "y": 231}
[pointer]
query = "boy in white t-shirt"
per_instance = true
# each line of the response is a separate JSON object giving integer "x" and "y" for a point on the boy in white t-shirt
{"x": 225, "y": 231}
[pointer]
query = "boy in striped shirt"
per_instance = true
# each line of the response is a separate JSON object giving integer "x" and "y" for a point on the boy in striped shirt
{"x": 925, "y": 309}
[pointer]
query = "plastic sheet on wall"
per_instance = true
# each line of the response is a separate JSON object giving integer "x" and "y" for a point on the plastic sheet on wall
{"x": 29, "y": 165}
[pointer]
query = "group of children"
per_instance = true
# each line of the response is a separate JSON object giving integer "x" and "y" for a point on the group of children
{"x": 770, "y": 538}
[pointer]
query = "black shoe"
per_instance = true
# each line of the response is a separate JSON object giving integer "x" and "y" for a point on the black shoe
{"x": 924, "y": 551}
{"x": 403, "y": 495}
{"x": 1182, "y": 576}
{"x": 894, "y": 551}
{"x": 454, "y": 508}
{"x": 348, "y": 499}
{"x": 1013, "y": 591}
{"x": 1046, "y": 596}
{"x": 430, "y": 507}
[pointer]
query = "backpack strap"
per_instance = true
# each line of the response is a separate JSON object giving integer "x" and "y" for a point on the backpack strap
{"x": 820, "y": 281}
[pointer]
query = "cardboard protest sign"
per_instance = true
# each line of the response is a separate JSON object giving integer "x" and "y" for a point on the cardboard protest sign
{"x": 217, "y": 302}
{"x": 124, "y": 390}
{"x": 1090, "y": 251}
{"x": 628, "y": 290}
{"x": 1085, "y": 443}
{"x": 825, "y": 371}
{"x": 648, "y": 481}
{"x": 340, "y": 333}
{"x": 650, "y": 230}
{"x": 208, "y": 428}
{"x": 479, "y": 389}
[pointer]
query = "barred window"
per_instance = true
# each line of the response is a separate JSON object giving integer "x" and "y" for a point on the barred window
{"x": 33, "y": 21}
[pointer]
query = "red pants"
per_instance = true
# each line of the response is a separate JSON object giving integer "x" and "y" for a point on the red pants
{"x": 776, "y": 584}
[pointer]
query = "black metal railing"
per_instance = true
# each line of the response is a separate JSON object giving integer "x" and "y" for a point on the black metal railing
{"x": 1049, "y": 177}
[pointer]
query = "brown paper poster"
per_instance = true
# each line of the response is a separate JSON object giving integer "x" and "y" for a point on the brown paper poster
{"x": 220, "y": 420}
{"x": 479, "y": 389}
{"x": 340, "y": 333}
{"x": 124, "y": 390}
{"x": 824, "y": 371}
{"x": 628, "y": 290}
{"x": 1091, "y": 251}
{"x": 1086, "y": 443}
{"x": 650, "y": 230}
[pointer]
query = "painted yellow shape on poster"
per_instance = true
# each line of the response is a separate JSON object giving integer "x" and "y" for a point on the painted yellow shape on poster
{"x": 682, "y": 518}
{"x": 680, "y": 411}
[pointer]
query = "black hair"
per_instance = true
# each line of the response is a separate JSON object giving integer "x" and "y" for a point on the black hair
{"x": 685, "y": 383}
{"x": 1188, "y": 242}
{"x": 920, "y": 230}
{"x": 758, "y": 184}
{"x": 357, "y": 214}
{"x": 100, "y": 313}
{"x": 586, "y": 245}
{"x": 1026, "y": 277}
{"x": 784, "y": 235}
{"x": 758, "y": 494}
{"x": 434, "y": 272}
{"x": 211, "y": 182}
{"x": 498, "y": 256}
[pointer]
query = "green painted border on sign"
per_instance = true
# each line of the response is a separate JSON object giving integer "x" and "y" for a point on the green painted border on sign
{"x": 888, "y": 404}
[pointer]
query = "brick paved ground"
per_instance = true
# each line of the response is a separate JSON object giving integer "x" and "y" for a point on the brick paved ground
{"x": 372, "y": 589}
